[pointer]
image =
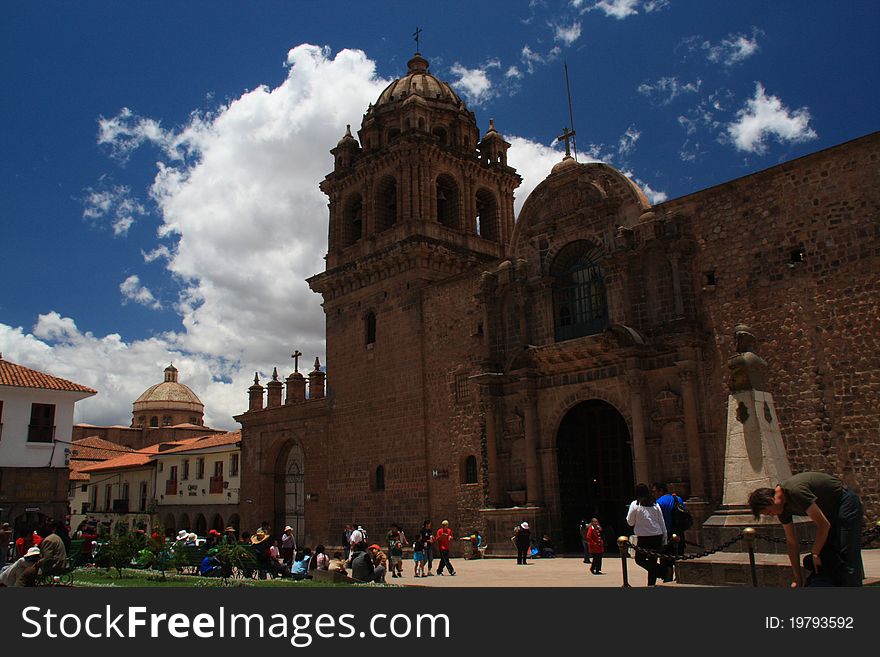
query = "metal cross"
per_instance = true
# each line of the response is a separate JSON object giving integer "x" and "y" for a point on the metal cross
{"x": 416, "y": 37}
{"x": 295, "y": 355}
{"x": 566, "y": 137}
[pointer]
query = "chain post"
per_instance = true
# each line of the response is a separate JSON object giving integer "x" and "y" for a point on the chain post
{"x": 623, "y": 544}
{"x": 748, "y": 535}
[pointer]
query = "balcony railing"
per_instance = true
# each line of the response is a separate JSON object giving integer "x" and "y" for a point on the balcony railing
{"x": 216, "y": 484}
{"x": 171, "y": 486}
{"x": 40, "y": 434}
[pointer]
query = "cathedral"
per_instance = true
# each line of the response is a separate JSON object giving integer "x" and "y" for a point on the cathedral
{"x": 490, "y": 371}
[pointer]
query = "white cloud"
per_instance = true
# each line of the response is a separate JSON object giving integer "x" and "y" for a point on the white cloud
{"x": 160, "y": 252}
{"x": 532, "y": 58}
{"x": 115, "y": 204}
{"x": 513, "y": 73}
{"x": 243, "y": 224}
{"x": 474, "y": 82}
{"x": 765, "y": 117}
{"x": 621, "y": 9}
{"x": 732, "y": 50}
{"x": 667, "y": 89}
{"x": 627, "y": 141}
{"x": 132, "y": 290}
{"x": 567, "y": 34}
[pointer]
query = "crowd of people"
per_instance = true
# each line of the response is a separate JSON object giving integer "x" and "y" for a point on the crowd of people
{"x": 656, "y": 516}
{"x": 37, "y": 554}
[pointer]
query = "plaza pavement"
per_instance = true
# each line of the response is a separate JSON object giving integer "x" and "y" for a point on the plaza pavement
{"x": 558, "y": 572}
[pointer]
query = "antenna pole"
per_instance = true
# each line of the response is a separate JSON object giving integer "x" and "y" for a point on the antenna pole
{"x": 570, "y": 113}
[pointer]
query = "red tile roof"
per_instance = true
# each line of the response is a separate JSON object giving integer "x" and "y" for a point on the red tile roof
{"x": 138, "y": 459}
{"x": 203, "y": 442}
{"x": 19, "y": 376}
{"x": 93, "y": 448}
{"x": 89, "y": 451}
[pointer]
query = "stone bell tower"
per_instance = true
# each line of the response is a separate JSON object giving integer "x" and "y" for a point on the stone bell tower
{"x": 418, "y": 198}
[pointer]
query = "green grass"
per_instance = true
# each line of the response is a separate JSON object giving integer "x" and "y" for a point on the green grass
{"x": 133, "y": 578}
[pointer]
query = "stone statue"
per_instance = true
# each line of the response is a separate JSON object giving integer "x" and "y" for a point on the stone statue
{"x": 748, "y": 371}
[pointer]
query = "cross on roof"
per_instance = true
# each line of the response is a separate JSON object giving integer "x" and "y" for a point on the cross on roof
{"x": 416, "y": 35}
{"x": 566, "y": 136}
{"x": 295, "y": 355}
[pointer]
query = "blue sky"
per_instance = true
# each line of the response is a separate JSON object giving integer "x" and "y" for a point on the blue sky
{"x": 161, "y": 160}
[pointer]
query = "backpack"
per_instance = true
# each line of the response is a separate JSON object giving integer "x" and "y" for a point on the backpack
{"x": 682, "y": 520}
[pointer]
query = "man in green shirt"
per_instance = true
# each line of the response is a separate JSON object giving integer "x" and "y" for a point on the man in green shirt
{"x": 837, "y": 513}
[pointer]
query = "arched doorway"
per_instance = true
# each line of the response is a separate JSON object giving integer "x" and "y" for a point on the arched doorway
{"x": 289, "y": 492}
{"x": 594, "y": 457}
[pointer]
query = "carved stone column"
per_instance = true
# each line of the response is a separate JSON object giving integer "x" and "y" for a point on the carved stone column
{"x": 635, "y": 380}
{"x": 678, "y": 301}
{"x": 534, "y": 489}
{"x": 491, "y": 412}
{"x": 687, "y": 374}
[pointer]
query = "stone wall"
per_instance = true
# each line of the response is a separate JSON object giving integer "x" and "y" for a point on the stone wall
{"x": 795, "y": 253}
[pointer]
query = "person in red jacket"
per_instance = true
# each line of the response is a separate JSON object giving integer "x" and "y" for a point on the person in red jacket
{"x": 596, "y": 545}
{"x": 443, "y": 538}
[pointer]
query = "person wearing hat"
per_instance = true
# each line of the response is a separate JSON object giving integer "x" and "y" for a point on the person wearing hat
{"x": 443, "y": 538}
{"x": 213, "y": 539}
{"x": 522, "y": 539}
{"x": 265, "y": 564}
{"x": 12, "y": 575}
{"x": 181, "y": 537}
{"x": 288, "y": 546}
{"x": 380, "y": 563}
{"x": 229, "y": 537}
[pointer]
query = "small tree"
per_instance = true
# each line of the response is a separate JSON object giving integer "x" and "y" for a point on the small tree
{"x": 156, "y": 555}
{"x": 233, "y": 557}
{"x": 120, "y": 550}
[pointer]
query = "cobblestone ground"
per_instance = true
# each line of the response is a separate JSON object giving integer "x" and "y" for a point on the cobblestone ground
{"x": 559, "y": 572}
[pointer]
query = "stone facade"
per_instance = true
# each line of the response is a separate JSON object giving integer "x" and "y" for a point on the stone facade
{"x": 490, "y": 373}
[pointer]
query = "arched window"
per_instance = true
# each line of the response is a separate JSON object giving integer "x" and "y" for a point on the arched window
{"x": 380, "y": 478}
{"x": 579, "y": 303}
{"x": 447, "y": 202}
{"x": 352, "y": 220}
{"x": 386, "y": 203}
{"x": 487, "y": 215}
{"x": 470, "y": 469}
{"x": 441, "y": 136}
{"x": 154, "y": 421}
{"x": 370, "y": 328}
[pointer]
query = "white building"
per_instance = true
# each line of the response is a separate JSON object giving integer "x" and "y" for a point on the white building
{"x": 36, "y": 420}
{"x": 189, "y": 484}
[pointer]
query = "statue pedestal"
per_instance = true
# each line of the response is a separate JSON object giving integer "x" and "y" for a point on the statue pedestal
{"x": 754, "y": 458}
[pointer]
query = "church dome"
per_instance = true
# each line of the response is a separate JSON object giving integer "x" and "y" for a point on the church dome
{"x": 418, "y": 82}
{"x": 171, "y": 401}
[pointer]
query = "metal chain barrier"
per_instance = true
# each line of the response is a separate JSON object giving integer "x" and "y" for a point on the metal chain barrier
{"x": 749, "y": 535}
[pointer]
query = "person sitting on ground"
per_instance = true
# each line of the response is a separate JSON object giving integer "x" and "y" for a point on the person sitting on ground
{"x": 210, "y": 566}
{"x": 301, "y": 561}
{"x": 10, "y": 575}
{"x": 320, "y": 560}
{"x": 360, "y": 565}
{"x": 337, "y": 564}
{"x": 380, "y": 563}
{"x": 53, "y": 554}
{"x": 546, "y": 549}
